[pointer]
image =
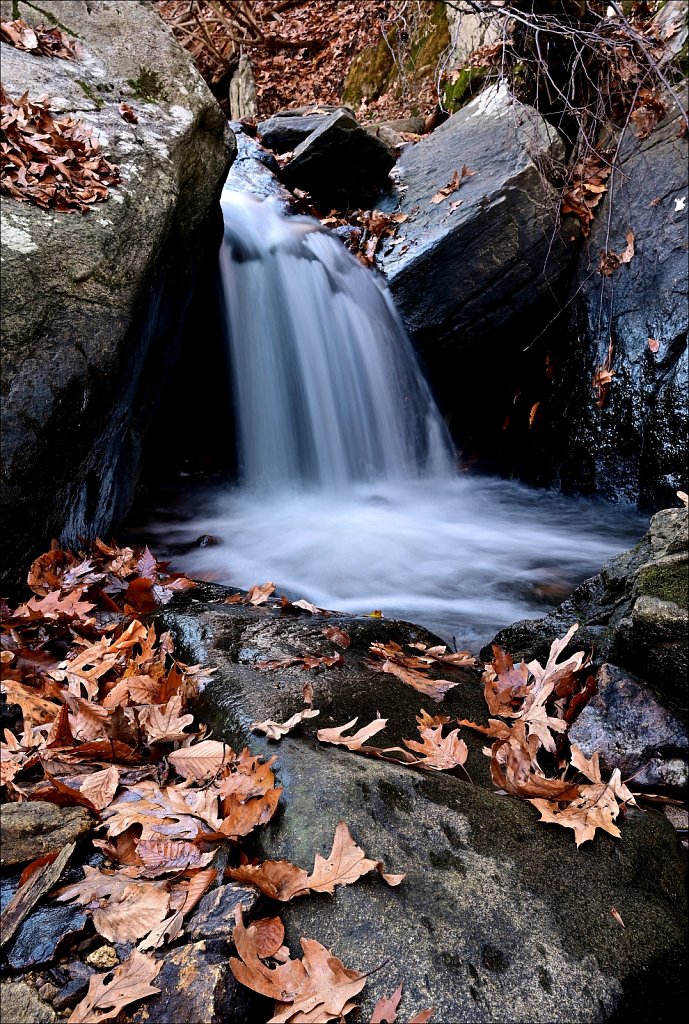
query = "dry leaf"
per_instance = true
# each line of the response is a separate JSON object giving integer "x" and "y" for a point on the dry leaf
{"x": 201, "y": 761}
{"x": 276, "y": 730}
{"x": 164, "y": 723}
{"x": 338, "y": 636}
{"x": 385, "y": 1010}
{"x": 108, "y": 994}
{"x": 355, "y": 741}
{"x": 142, "y": 907}
{"x": 100, "y": 788}
{"x": 653, "y": 345}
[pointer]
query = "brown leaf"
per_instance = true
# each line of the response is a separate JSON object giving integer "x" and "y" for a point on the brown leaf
{"x": 653, "y": 345}
{"x": 338, "y": 636}
{"x": 259, "y": 595}
{"x": 162, "y": 855}
{"x": 142, "y": 907}
{"x": 100, "y": 788}
{"x": 127, "y": 114}
{"x": 164, "y": 723}
{"x": 355, "y": 741}
{"x": 200, "y": 761}
{"x": 439, "y": 753}
{"x": 385, "y": 1010}
{"x": 276, "y": 730}
{"x": 108, "y": 994}
{"x": 270, "y": 935}
{"x": 284, "y": 881}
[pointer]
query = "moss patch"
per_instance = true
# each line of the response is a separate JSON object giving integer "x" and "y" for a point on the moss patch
{"x": 369, "y": 73}
{"x": 148, "y": 86}
{"x": 48, "y": 17}
{"x": 458, "y": 93}
{"x": 669, "y": 582}
{"x": 90, "y": 94}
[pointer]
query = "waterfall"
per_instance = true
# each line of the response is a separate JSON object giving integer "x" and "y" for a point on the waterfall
{"x": 328, "y": 389}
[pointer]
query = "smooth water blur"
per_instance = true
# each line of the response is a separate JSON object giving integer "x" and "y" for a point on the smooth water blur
{"x": 463, "y": 556}
{"x": 327, "y": 387}
{"x": 348, "y": 494}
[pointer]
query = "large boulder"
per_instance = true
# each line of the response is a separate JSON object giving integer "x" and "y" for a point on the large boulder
{"x": 465, "y": 271}
{"x": 634, "y": 448}
{"x": 288, "y": 128}
{"x": 93, "y": 303}
{"x": 340, "y": 163}
{"x": 499, "y": 918}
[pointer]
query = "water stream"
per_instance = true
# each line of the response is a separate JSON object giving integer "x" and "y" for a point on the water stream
{"x": 349, "y": 493}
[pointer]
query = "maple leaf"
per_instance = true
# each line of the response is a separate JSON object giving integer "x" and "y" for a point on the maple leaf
{"x": 355, "y": 741}
{"x": 319, "y": 985}
{"x": 108, "y": 994}
{"x": 276, "y": 730}
{"x": 164, "y": 723}
{"x": 281, "y": 880}
{"x": 439, "y": 753}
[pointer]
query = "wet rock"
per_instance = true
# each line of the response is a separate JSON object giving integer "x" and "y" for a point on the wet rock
{"x": 634, "y": 613}
{"x": 635, "y": 447}
{"x": 76, "y": 987}
{"x": 255, "y": 171}
{"x": 633, "y": 732}
{"x": 502, "y": 235}
{"x": 95, "y": 303}
{"x": 41, "y": 935}
{"x": 285, "y": 131}
{"x": 214, "y": 916}
{"x": 35, "y": 828}
{"x": 340, "y": 163}
{"x": 499, "y": 918}
{"x": 20, "y": 1004}
{"x": 197, "y": 986}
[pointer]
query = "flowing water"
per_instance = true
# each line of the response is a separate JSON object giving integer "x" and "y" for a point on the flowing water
{"x": 348, "y": 493}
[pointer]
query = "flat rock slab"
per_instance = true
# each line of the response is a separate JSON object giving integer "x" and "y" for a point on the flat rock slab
{"x": 286, "y": 130}
{"x": 197, "y": 987}
{"x": 35, "y": 828}
{"x": 462, "y": 273}
{"x": 500, "y": 918}
{"x": 214, "y": 916}
{"x": 340, "y": 163}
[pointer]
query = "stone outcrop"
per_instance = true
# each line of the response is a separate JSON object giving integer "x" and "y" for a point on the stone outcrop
{"x": 635, "y": 447}
{"x": 92, "y": 304}
{"x": 340, "y": 163}
{"x": 465, "y": 271}
{"x": 499, "y": 918}
{"x": 36, "y": 828}
{"x": 288, "y": 128}
{"x": 255, "y": 171}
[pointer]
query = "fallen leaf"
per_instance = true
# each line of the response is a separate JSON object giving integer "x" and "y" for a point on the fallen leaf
{"x": 617, "y": 917}
{"x": 385, "y": 1010}
{"x": 165, "y": 723}
{"x": 653, "y": 345}
{"x": 355, "y": 741}
{"x": 337, "y": 635}
{"x": 141, "y": 908}
{"x": 200, "y": 761}
{"x": 276, "y": 730}
{"x": 127, "y": 114}
{"x": 108, "y": 994}
{"x": 100, "y": 788}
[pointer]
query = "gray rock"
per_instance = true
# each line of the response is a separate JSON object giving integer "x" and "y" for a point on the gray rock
{"x": 463, "y": 274}
{"x": 76, "y": 988}
{"x": 36, "y": 828}
{"x": 633, "y": 732}
{"x": 20, "y": 1004}
{"x": 635, "y": 447}
{"x": 198, "y": 987}
{"x": 634, "y": 613}
{"x": 243, "y": 101}
{"x": 41, "y": 935}
{"x": 255, "y": 171}
{"x": 285, "y": 131}
{"x": 93, "y": 303}
{"x": 340, "y": 163}
{"x": 214, "y": 917}
{"x": 499, "y": 918}
{"x": 413, "y": 125}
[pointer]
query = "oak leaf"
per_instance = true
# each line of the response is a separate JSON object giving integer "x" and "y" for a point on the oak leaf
{"x": 439, "y": 753}
{"x": 355, "y": 741}
{"x": 276, "y": 730}
{"x": 385, "y": 1010}
{"x": 108, "y": 994}
{"x": 165, "y": 723}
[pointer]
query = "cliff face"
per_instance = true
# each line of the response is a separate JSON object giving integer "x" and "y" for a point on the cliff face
{"x": 93, "y": 303}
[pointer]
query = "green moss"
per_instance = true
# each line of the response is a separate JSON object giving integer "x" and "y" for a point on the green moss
{"x": 148, "y": 86}
{"x": 89, "y": 93}
{"x": 48, "y": 17}
{"x": 669, "y": 582}
{"x": 458, "y": 93}
{"x": 15, "y": 9}
{"x": 369, "y": 73}
{"x": 431, "y": 43}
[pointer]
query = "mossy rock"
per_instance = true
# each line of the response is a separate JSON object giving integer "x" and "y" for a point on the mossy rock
{"x": 369, "y": 73}
{"x": 456, "y": 94}
{"x": 667, "y": 580}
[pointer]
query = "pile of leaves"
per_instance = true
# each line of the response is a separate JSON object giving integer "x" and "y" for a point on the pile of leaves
{"x": 40, "y": 40}
{"x": 56, "y": 163}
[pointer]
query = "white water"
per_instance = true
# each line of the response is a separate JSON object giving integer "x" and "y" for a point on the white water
{"x": 348, "y": 494}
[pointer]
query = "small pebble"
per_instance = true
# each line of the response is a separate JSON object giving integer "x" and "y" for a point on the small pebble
{"x": 104, "y": 958}
{"x": 48, "y": 991}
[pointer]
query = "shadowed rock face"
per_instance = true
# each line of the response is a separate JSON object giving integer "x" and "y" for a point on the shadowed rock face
{"x": 635, "y": 447}
{"x": 500, "y": 918}
{"x": 93, "y": 303}
{"x": 464, "y": 273}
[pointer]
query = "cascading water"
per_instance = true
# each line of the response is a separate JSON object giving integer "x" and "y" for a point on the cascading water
{"x": 327, "y": 387}
{"x": 348, "y": 493}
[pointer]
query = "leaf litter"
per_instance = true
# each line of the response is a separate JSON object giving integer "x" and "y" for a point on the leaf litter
{"x": 105, "y": 724}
